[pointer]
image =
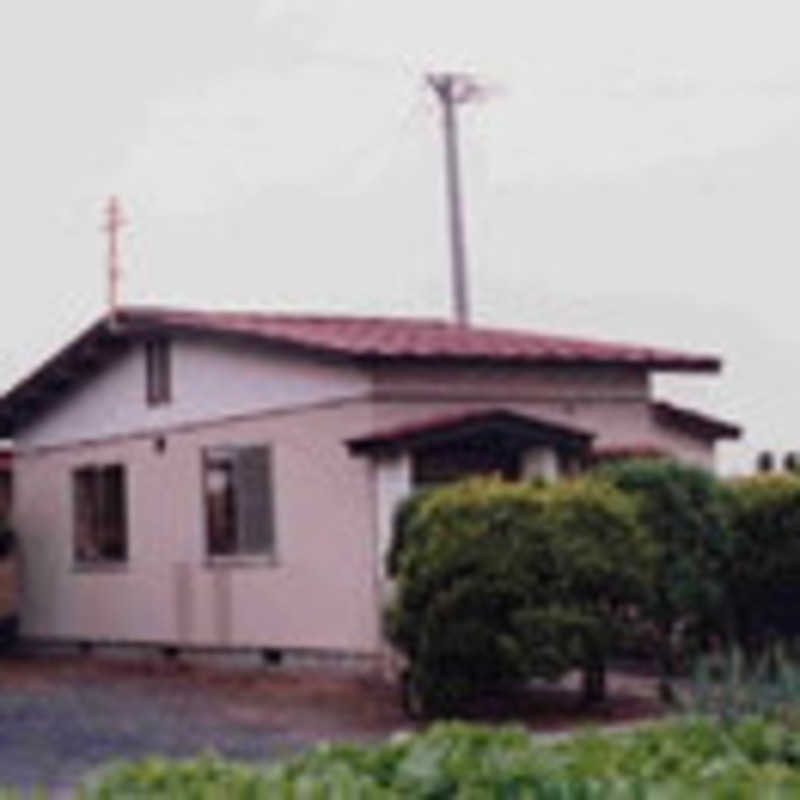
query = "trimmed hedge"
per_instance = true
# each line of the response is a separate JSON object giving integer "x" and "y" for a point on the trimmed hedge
{"x": 500, "y": 582}
{"x": 764, "y": 575}
{"x": 685, "y": 513}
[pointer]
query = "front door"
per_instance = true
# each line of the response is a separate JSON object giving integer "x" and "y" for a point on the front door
{"x": 479, "y": 456}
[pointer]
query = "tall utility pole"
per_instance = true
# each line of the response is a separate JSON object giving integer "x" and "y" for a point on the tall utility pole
{"x": 454, "y": 89}
{"x": 114, "y": 222}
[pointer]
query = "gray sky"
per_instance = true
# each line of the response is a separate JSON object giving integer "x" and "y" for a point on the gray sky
{"x": 634, "y": 173}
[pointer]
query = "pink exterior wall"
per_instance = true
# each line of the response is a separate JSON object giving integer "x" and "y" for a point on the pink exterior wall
{"x": 321, "y": 593}
{"x": 690, "y": 449}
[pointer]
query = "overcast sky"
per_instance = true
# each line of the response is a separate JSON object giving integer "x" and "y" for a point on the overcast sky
{"x": 633, "y": 173}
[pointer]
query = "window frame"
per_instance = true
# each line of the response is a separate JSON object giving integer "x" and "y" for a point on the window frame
{"x": 98, "y": 490}
{"x": 269, "y": 556}
{"x": 158, "y": 371}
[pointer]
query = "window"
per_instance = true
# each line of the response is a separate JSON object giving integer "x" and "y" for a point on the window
{"x": 6, "y": 492}
{"x": 101, "y": 529}
{"x": 157, "y": 368}
{"x": 238, "y": 501}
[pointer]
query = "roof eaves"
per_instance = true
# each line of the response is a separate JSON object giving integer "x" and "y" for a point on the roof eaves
{"x": 705, "y": 364}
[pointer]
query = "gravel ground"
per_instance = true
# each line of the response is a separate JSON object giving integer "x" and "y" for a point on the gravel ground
{"x": 55, "y": 739}
{"x": 61, "y": 719}
{"x": 64, "y": 717}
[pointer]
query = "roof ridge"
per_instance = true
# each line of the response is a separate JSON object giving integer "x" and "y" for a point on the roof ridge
{"x": 322, "y": 316}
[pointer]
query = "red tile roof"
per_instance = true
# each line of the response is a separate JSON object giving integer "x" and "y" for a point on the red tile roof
{"x": 392, "y": 338}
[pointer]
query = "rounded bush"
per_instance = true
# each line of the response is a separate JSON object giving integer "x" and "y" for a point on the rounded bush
{"x": 467, "y": 558}
{"x": 499, "y": 582}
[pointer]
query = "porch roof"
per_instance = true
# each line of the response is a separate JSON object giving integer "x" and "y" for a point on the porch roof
{"x": 438, "y": 430}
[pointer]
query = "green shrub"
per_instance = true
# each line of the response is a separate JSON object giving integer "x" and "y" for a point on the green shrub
{"x": 501, "y": 582}
{"x": 404, "y": 528}
{"x": 685, "y": 512}
{"x": 764, "y": 575}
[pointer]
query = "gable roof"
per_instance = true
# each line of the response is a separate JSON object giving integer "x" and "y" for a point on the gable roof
{"x": 355, "y": 339}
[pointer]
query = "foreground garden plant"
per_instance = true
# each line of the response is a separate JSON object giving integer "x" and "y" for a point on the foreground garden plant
{"x": 694, "y": 758}
{"x": 730, "y": 686}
